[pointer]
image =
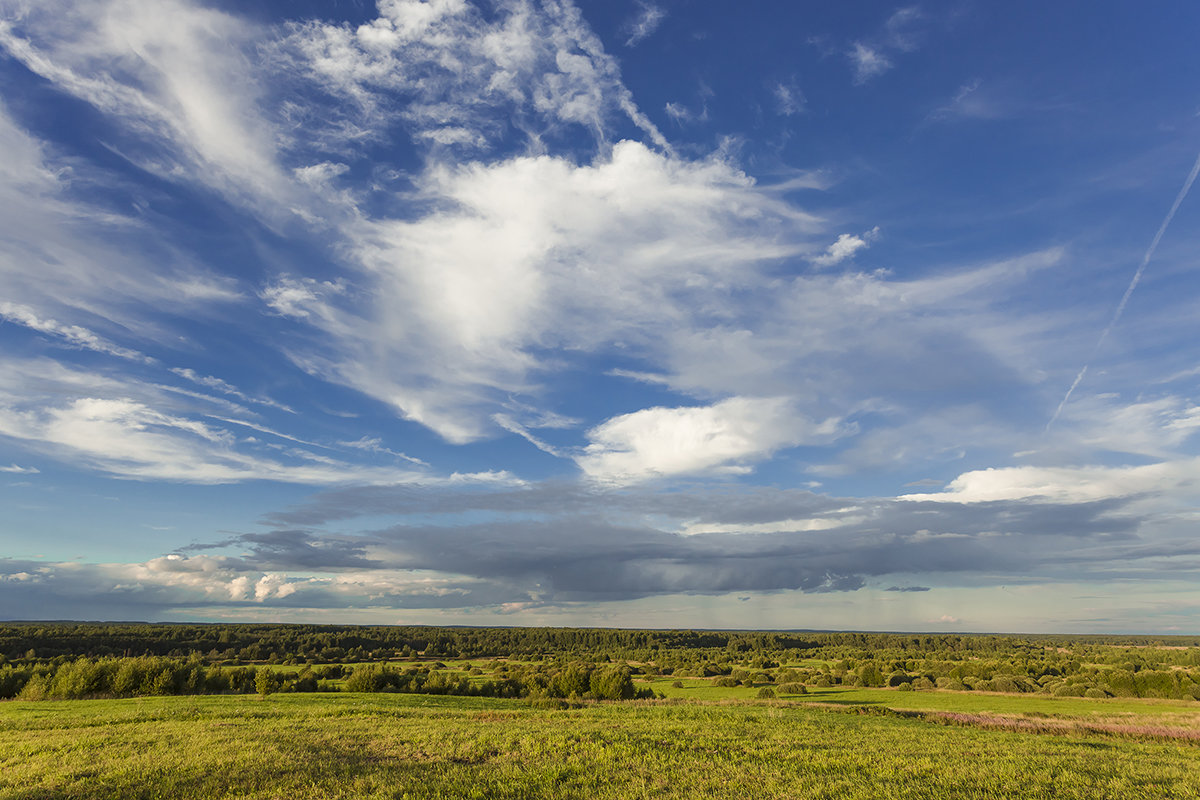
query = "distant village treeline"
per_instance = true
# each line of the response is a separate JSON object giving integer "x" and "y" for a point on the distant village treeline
{"x": 68, "y": 660}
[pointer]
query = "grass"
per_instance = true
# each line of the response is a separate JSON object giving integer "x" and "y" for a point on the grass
{"x": 412, "y": 746}
{"x": 703, "y": 689}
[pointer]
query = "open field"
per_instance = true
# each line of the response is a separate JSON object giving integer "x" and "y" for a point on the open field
{"x": 412, "y": 746}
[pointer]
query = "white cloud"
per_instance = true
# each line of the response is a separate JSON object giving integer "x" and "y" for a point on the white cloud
{"x": 224, "y": 387}
{"x": 900, "y": 27}
{"x": 176, "y": 72}
{"x": 780, "y": 526}
{"x": 1069, "y": 484}
{"x": 645, "y": 23}
{"x": 464, "y": 76}
{"x": 789, "y": 100}
{"x": 87, "y": 276}
{"x": 531, "y": 253}
{"x": 136, "y": 430}
{"x": 845, "y": 247}
{"x": 682, "y": 115}
{"x": 74, "y": 334}
{"x": 375, "y": 445}
{"x": 867, "y": 62}
{"x": 659, "y": 442}
{"x": 19, "y": 470}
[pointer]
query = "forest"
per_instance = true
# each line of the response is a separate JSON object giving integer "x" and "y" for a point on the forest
{"x": 77, "y": 660}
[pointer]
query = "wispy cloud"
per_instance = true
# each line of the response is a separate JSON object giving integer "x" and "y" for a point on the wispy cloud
{"x": 789, "y": 100}
{"x": 224, "y": 387}
{"x": 872, "y": 56}
{"x": 1133, "y": 283}
{"x": 133, "y": 429}
{"x": 375, "y": 445}
{"x": 868, "y": 62}
{"x": 648, "y": 18}
{"x": 971, "y": 101}
{"x": 903, "y": 28}
{"x": 73, "y": 334}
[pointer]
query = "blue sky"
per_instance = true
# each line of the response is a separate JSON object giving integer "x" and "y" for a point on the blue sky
{"x": 864, "y": 316}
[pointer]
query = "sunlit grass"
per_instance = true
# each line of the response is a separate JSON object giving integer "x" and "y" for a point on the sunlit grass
{"x": 393, "y": 746}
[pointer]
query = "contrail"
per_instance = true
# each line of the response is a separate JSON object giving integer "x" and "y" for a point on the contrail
{"x": 1137, "y": 276}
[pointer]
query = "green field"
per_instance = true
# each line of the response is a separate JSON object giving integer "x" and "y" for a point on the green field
{"x": 396, "y": 746}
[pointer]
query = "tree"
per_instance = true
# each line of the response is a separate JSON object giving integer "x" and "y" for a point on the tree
{"x": 266, "y": 682}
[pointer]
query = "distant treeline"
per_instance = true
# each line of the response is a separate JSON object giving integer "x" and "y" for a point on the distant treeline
{"x": 340, "y": 643}
{"x": 1097, "y": 666}
{"x": 157, "y": 675}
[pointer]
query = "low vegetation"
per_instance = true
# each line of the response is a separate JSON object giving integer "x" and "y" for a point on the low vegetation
{"x": 320, "y": 712}
{"x": 350, "y": 745}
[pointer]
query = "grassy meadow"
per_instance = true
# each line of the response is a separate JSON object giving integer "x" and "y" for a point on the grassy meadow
{"x": 266, "y": 712}
{"x": 345, "y": 745}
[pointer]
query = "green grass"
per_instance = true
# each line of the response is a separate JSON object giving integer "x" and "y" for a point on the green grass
{"x": 989, "y": 702}
{"x": 398, "y": 746}
{"x": 927, "y": 700}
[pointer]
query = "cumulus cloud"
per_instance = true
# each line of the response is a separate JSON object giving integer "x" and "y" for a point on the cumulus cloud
{"x": 657, "y": 442}
{"x": 845, "y": 247}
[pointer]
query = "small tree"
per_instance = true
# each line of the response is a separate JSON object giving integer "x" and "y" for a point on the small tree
{"x": 266, "y": 682}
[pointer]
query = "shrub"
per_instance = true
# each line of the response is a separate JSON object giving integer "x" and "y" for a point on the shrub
{"x": 793, "y": 688}
{"x": 766, "y": 693}
{"x": 869, "y": 675}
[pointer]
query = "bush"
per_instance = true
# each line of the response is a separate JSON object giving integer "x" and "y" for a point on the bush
{"x": 869, "y": 675}
{"x": 766, "y": 693}
{"x": 614, "y": 683}
{"x": 793, "y": 688}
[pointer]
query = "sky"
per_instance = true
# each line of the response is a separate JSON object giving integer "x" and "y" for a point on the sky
{"x": 626, "y": 313}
